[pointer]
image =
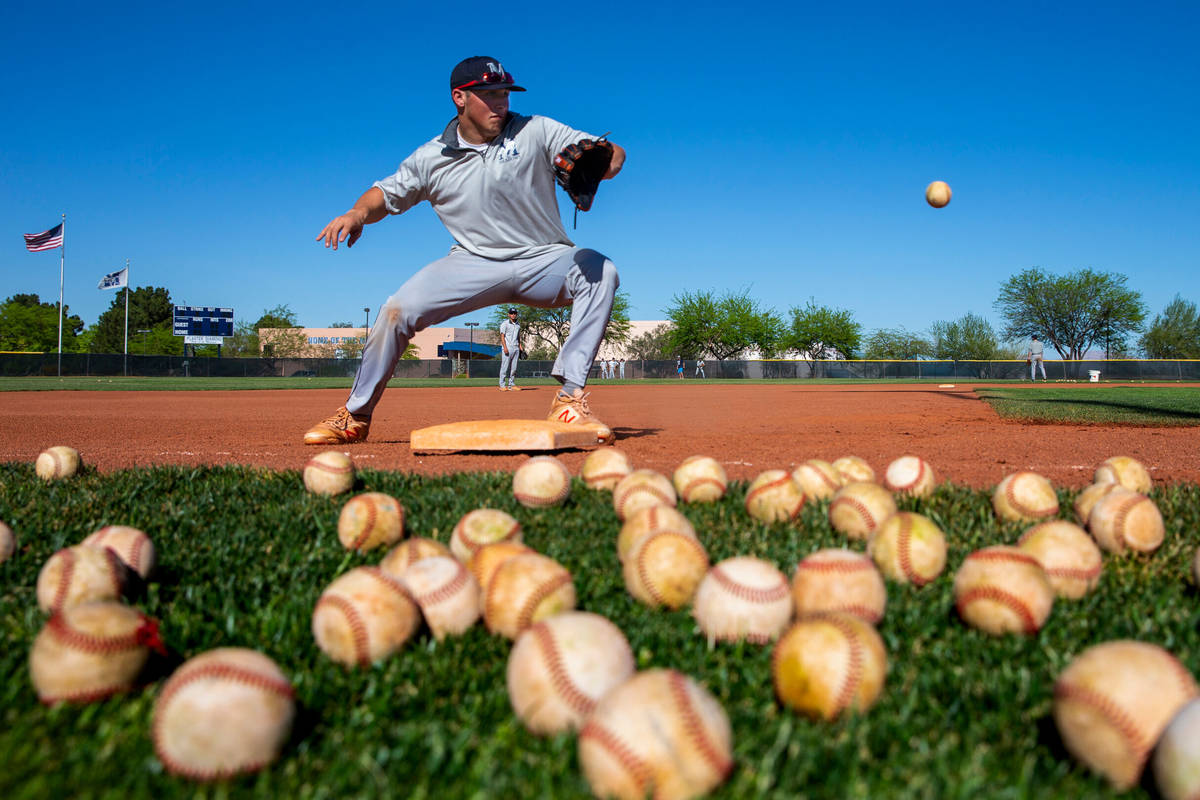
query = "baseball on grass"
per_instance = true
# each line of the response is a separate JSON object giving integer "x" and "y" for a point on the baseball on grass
{"x": 225, "y": 712}
{"x": 526, "y": 589}
{"x": 908, "y": 548}
{"x": 400, "y": 557}
{"x": 774, "y": 497}
{"x": 700, "y": 479}
{"x": 1125, "y": 520}
{"x": 836, "y": 579}
{"x": 1001, "y": 590}
{"x": 1113, "y": 701}
{"x": 57, "y": 462}
{"x": 1086, "y": 500}
{"x": 1069, "y": 556}
{"x": 330, "y": 472}
{"x": 1126, "y": 471}
{"x": 482, "y": 527}
{"x": 487, "y": 560}
{"x": 604, "y": 468}
{"x": 131, "y": 545}
{"x": 8, "y": 543}
{"x": 92, "y": 651}
{"x": 81, "y": 574}
{"x": 363, "y": 616}
{"x": 370, "y": 520}
{"x": 640, "y": 489}
{"x": 660, "y": 733}
{"x": 858, "y": 508}
{"x": 1024, "y": 497}
{"x": 910, "y": 475}
{"x": 854, "y": 470}
{"x": 560, "y": 668}
{"x": 817, "y": 479}
{"x": 828, "y": 664}
{"x": 541, "y": 482}
{"x": 1177, "y": 757}
{"x": 743, "y": 598}
{"x": 447, "y": 594}
{"x": 651, "y": 519}
{"x": 937, "y": 194}
{"x": 664, "y": 568}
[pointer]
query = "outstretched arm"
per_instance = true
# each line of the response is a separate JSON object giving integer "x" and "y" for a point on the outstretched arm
{"x": 349, "y": 226}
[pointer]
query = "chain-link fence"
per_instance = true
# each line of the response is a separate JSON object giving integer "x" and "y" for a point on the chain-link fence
{"x": 92, "y": 364}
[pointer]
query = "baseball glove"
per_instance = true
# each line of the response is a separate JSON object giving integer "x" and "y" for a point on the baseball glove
{"x": 580, "y": 167}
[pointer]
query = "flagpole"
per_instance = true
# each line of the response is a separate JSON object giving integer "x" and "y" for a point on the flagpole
{"x": 127, "y": 318}
{"x": 62, "y": 263}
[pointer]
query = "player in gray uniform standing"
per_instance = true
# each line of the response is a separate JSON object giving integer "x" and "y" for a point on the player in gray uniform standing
{"x": 1035, "y": 358}
{"x": 490, "y": 178}
{"x": 510, "y": 336}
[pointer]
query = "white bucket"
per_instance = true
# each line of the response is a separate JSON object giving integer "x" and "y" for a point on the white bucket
{"x": 1094, "y": 375}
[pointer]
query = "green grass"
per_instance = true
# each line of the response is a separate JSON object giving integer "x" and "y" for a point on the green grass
{"x": 245, "y": 553}
{"x": 1097, "y": 405}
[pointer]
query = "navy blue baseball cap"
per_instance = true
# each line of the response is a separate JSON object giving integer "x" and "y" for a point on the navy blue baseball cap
{"x": 481, "y": 72}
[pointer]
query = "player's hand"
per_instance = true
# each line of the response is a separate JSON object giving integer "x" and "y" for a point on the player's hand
{"x": 618, "y": 161}
{"x": 346, "y": 228}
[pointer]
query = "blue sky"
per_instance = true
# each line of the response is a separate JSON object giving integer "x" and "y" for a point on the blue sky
{"x": 782, "y": 149}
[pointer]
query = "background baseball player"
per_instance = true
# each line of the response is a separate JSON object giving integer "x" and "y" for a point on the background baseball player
{"x": 700, "y": 368}
{"x": 490, "y": 178}
{"x": 1034, "y": 356}
{"x": 510, "y": 338}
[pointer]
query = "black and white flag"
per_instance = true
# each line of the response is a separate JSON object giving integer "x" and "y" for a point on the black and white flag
{"x": 114, "y": 280}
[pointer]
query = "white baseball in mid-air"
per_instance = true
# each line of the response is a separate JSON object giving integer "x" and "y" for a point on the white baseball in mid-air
{"x": 937, "y": 194}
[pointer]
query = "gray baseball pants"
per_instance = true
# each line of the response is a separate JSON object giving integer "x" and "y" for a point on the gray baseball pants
{"x": 462, "y": 282}
{"x": 508, "y": 366}
{"x": 1034, "y": 363}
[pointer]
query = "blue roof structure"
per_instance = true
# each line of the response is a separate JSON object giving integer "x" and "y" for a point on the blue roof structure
{"x": 468, "y": 350}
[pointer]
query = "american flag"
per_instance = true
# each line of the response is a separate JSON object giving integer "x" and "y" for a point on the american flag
{"x": 46, "y": 240}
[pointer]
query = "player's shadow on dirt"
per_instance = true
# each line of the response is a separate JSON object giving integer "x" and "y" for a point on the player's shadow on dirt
{"x": 634, "y": 433}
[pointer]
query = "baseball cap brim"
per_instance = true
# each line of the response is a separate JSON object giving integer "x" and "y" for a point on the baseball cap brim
{"x": 512, "y": 87}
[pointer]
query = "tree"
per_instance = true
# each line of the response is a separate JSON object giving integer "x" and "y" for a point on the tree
{"x": 896, "y": 344}
{"x": 653, "y": 345}
{"x": 968, "y": 338}
{"x": 280, "y": 316}
{"x": 545, "y": 330}
{"x": 341, "y": 325}
{"x": 286, "y": 338}
{"x": 724, "y": 327}
{"x": 816, "y": 331}
{"x": 150, "y": 308}
{"x": 1175, "y": 333}
{"x": 28, "y": 324}
{"x": 1070, "y": 312}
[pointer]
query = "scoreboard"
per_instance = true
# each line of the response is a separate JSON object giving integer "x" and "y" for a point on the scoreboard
{"x": 206, "y": 321}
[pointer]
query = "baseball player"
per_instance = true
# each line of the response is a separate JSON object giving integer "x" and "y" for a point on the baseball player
{"x": 700, "y": 368}
{"x": 510, "y": 336}
{"x": 679, "y": 366}
{"x": 490, "y": 178}
{"x": 1034, "y": 356}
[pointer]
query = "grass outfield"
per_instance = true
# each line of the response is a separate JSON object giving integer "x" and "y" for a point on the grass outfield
{"x": 245, "y": 553}
{"x": 1111, "y": 405}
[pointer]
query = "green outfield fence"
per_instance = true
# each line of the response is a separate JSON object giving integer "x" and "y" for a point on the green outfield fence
{"x": 92, "y": 364}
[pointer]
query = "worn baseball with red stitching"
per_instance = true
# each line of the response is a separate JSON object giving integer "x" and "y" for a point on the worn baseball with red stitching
{"x": 526, "y": 589}
{"x": 700, "y": 479}
{"x": 658, "y": 733}
{"x": 81, "y": 574}
{"x": 650, "y": 520}
{"x": 560, "y": 668}
{"x": 411, "y": 550}
{"x": 370, "y": 520}
{"x": 363, "y": 616}
{"x": 774, "y": 497}
{"x": 58, "y": 462}
{"x": 447, "y": 594}
{"x": 1001, "y": 590}
{"x": 1177, "y": 756}
{"x": 487, "y": 560}
{"x": 541, "y": 482}
{"x": 329, "y": 473}
{"x": 743, "y": 598}
{"x": 604, "y": 468}
{"x": 481, "y": 527}
{"x": 1024, "y": 497}
{"x": 640, "y": 489}
{"x": 836, "y": 579}
{"x": 910, "y": 475}
{"x": 828, "y": 664}
{"x": 1125, "y": 471}
{"x": 858, "y": 508}
{"x": 1125, "y": 520}
{"x": 90, "y": 652}
{"x": 817, "y": 479}
{"x": 854, "y": 470}
{"x": 1086, "y": 500}
{"x": 8, "y": 543}
{"x": 664, "y": 567}
{"x": 908, "y": 548}
{"x": 131, "y": 545}
{"x": 1070, "y": 557}
{"x": 225, "y": 712}
{"x": 1112, "y": 703}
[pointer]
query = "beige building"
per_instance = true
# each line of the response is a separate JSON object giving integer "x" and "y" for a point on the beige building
{"x": 348, "y": 342}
